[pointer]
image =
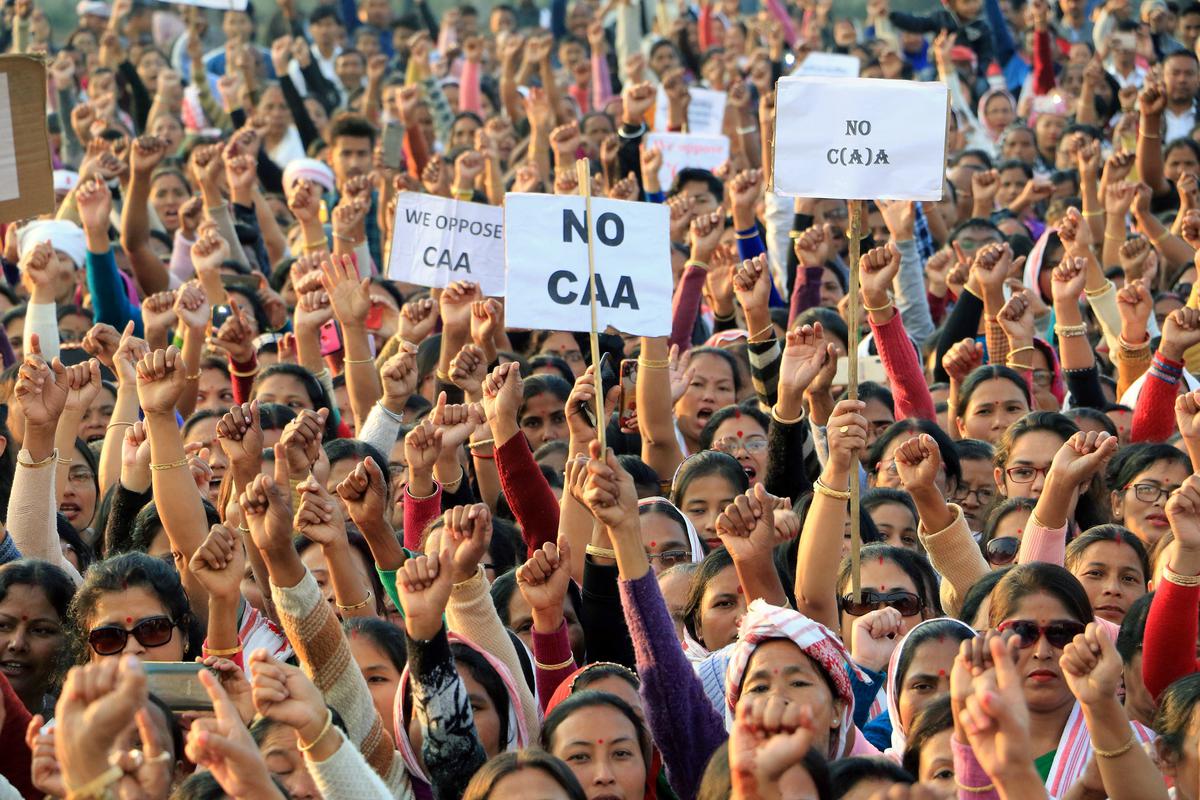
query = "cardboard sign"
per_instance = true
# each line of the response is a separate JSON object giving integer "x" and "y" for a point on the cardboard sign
{"x": 860, "y": 138}
{"x": 682, "y": 150}
{"x": 828, "y": 65}
{"x": 706, "y": 111}
{"x": 223, "y": 5}
{"x": 436, "y": 241}
{"x": 26, "y": 175}
{"x": 546, "y": 256}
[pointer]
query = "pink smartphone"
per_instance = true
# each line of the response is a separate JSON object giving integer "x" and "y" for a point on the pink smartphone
{"x": 331, "y": 338}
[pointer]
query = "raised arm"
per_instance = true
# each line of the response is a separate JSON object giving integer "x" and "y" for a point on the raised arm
{"x": 1169, "y": 650}
{"x": 655, "y": 405}
{"x": 145, "y": 154}
{"x": 1074, "y": 465}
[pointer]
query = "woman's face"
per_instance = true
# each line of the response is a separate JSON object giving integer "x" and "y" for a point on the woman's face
{"x": 286, "y": 763}
{"x": 125, "y": 609}
{"x": 662, "y": 535}
{"x": 704, "y": 500}
{"x": 927, "y": 678}
{"x": 167, "y": 194}
{"x": 383, "y": 678}
{"x": 674, "y": 587}
{"x": 275, "y": 110}
{"x": 1048, "y": 130}
{"x": 994, "y": 405}
{"x": 779, "y": 668}
{"x": 285, "y": 389}
{"x": 622, "y": 689}
{"x": 936, "y": 766}
{"x": 1043, "y": 376}
{"x": 897, "y": 524}
{"x": 204, "y": 432}
{"x": 601, "y": 746}
{"x": 1139, "y": 504}
{"x": 884, "y": 577}
{"x": 462, "y": 133}
{"x": 168, "y": 129}
{"x": 487, "y": 717}
{"x": 1112, "y": 576}
{"x": 31, "y": 637}
{"x": 565, "y": 347}
{"x": 1025, "y": 473}
{"x": 831, "y": 289}
{"x": 531, "y": 783}
{"x": 742, "y": 437}
{"x": 96, "y": 417}
{"x": 314, "y": 558}
{"x": 976, "y": 491}
{"x": 998, "y": 112}
{"x": 1042, "y": 679}
{"x": 544, "y": 419}
{"x": 1180, "y": 160}
{"x": 520, "y": 622}
{"x": 721, "y": 609}
{"x": 1020, "y": 145}
{"x": 710, "y": 387}
{"x": 77, "y": 497}
{"x": 214, "y": 390}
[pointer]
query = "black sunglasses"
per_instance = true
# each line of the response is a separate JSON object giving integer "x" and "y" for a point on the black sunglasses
{"x": 1001, "y": 551}
{"x": 906, "y": 603}
{"x": 108, "y": 640}
{"x": 1059, "y": 634}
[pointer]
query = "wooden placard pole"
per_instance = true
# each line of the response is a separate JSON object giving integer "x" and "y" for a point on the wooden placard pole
{"x": 584, "y": 175}
{"x": 853, "y": 311}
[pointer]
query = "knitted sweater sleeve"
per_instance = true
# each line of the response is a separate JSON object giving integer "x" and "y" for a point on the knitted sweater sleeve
{"x": 685, "y": 306}
{"x": 472, "y": 614}
{"x": 551, "y": 650}
{"x": 955, "y": 555}
{"x": 1040, "y": 543}
{"x": 529, "y": 495}
{"x": 1169, "y": 646}
{"x": 345, "y": 774}
{"x": 324, "y": 653}
{"x": 1154, "y": 414}
{"x": 419, "y": 512}
{"x": 903, "y": 370}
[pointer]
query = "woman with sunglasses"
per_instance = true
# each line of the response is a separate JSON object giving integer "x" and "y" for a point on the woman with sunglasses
{"x": 1006, "y": 524}
{"x": 134, "y": 604}
{"x": 1140, "y": 479}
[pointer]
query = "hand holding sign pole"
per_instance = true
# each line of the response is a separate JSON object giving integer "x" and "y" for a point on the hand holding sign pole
{"x": 855, "y": 237}
{"x": 583, "y": 173}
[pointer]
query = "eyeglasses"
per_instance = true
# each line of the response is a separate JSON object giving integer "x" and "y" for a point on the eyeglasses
{"x": 1025, "y": 474}
{"x": 669, "y": 558}
{"x": 1001, "y": 551}
{"x": 1058, "y": 634}
{"x": 1150, "y": 492}
{"x": 751, "y": 444}
{"x": 984, "y": 495}
{"x": 108, "y": 640}
{"x": 906, "y": 603}
{"x": 1042, "y": 378}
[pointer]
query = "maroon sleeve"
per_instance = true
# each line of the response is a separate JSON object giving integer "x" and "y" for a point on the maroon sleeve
{"x": 16, "y": 762}
{"x": 419, "y": 512}
{"x": 685, "y": 306}
{"x": 529, "y": 495}
{"x": 905, "y": 377}
{"x": 1043, "y": 63}
{"x": 243, "y": 384}
{"x": 1169, "y": 645}
{"x": 807, "y": 291}
{"x": 549, "y": 651}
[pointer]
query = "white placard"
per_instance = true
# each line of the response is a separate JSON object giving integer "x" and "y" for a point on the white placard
{"x": 682, "y": 150}
{"x": 437, "y": 241}
{"x": 828, "y": 65}
{"x": 222, "y": 5}
{"x": 860, "y": 138}
{"x": 8, "y": 149}
{"x": 546, "y": 257}
{"x": 706, "y": 111}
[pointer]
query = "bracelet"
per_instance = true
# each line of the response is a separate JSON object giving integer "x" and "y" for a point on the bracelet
{"x": 112, "y": 425}
{"x": 744, "y": 236}
{"x": 343, "y": 238}
{"x": 1133, "y": 348}
{"x": 45, "y": 462}
{"x": 1028, "y": 347}
{"x": 195, "y": 377}
{"x": 1150, "y": 135}
{"x": 228, "y": 651}
{"x": 1171, "y": 576}
{"x": 311, "y": 247}
{"x": 464, "y": 194}
{"x": 1113, "y": 236}
{"x": 784, "y": 420}
{"x": 356, "y": 606}
{"x": 1120, "y": 751}
{"x": 570, "y": 662}
{"x": 304, "y": 748}
{"x": 180, "y": 463}
{"x": 748, "y": 129}
{"x": 480, "y": 443}
{"x": 820, "y": 487}
{"x": 883, "y": 307}
{"x": 323, "y": 375}
{"x": 1158, "y": 239}
{"x": 1096, "y": 213}
{"x": 248, "y": 374}
{"x": 691, "y": 262}
{"x": 485, "y": 456}
{"x": 243, "y": 529}
{"x": 358, "y": 361}
{"x": 769, "y": 329}
{"x": 66, "y": 462}
{"x": 653, "y": 363}
{"x": 398, "y": 418}
{"x": 442, "y": 376}
{"x": 98, "y": 786}
{"x": 975, "y": 789}
{"x": 602, "y": 552}
{"x": 1017, "y": 365}
{"x": 1070, "y": 331}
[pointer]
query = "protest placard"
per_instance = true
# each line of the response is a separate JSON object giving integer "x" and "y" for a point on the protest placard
{"x": 828, "y": 65}
{"x": 705, "y": 115}
{"x": 26, "y": 174}
{"x": 546, "y": 260}
{"x": 437, "y": 241}
{"x": 222, "y": 5}
{"x": 682, "y": 150}
{"x": 860, "y": 138}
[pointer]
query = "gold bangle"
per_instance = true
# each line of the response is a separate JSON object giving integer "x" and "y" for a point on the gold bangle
{"x": 98, "y": 786}
{"x": 1097, "y": 292}
{"x": 323, "y": 245}
{"x": 570, "y": 662}
{"x": 243, "y": 529}
{"x": 1018, "y": 366}
{"x": 1108, "y": 235}
{"x": 691, "y": 262}
{"x": 1070, "y": 331}
{"x": 783, "y": 420}
{"x": 442, "y": 376}
{"x": 45, "y": 462}
{"x": 975, "y": 789}
{"x": 820, "y": 487}
{"x": 1150, "y": 135}
{"x": 1120, "y": 751}
{"x": 195, "y": 377}
{"x": 1171, "y": 576}
{"x": 112, "y": 425}
{"x": 66, "y": 462}
{"x": 654, "y": 363}
{"x": 304, "y": 748}
{"x": 248, "y": 374}
{"x": 883, "y": 307}
{"x": 1090, "y": 214}
{"x": 601, "y": 552}
{"x": 180, "y": 463}
{"x": 480, "y": 443}
{"x": 1134, "y": 348}
{"x": 358, "y": 361}
{"x": 464, "y": 194}
{"x": 1028, "y": 347}
{"x": 768, "y": 329}
{"x": 228, "y": 651}
{"x": 357, "y": 606}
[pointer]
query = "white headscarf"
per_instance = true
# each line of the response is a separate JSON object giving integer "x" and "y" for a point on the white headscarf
{"x": 66, "y": 237}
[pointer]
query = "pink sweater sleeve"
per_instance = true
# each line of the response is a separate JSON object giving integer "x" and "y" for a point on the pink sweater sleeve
{"x": 601, "y": 82}
{"x": 468, "y": 89}
{"x": 549, "y": 651}
{"x": 779, "y": 12}
{"x": 419, "y": 512}
{"x": 968, "y": 772}
{"x": 685, "y": 306}
{"x": 899, "y": 359}
{"x": 1040, "y": 543}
